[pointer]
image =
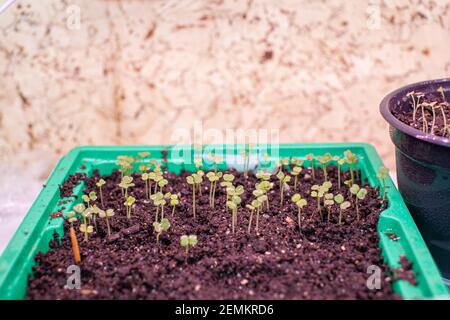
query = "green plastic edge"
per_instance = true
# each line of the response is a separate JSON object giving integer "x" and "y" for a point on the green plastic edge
{"x": 36, "y": 230}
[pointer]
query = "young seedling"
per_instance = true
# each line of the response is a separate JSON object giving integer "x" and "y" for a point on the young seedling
{"x": 106, "y": 215}
{"x": 125, "y": 164}
{"x": 198, "y": 164}
{"x": 162, "y": 183}
{"x": 343, "y": 205}
{"x": 432, "y": 107}
{"x": 71, "y": 218}
{"x": 263, "y": 188}
{"x": 174, "y": 201}
{"x": 125, "y": 183}
{"x": 284, "y": 180}
{"x": 351, "y": 159}
{"x": 415, "y": 105}
{"x": 89, "y": 199}
{"x": 85, "y": 227}
{"x": 129, "y": 205}
{"x": 328, "y": 203}
{"x": 161, "y": 227}
{"x": 255, "y": 206}
{"x": 300, "y": 203}
{"x": 359, "y": 197}
{"x": 99, "y": 184}
{"x": 263, "y": 175}
{"x": 318, "y": 192}
{"x": 213, "y": 177}
{"x": 158, "y": 201}
{"x": 323, "y": 160}
{"x": 340, "y": 163}
{"x": 296, "y": 172}
{"x": 424, "y": 119}
{"x": 382, "y": 174}
{"x": 233, "y": 202}
{"x": 310, "y": 158}
{"x": 354, "y": 190}
{"x": 193, "y": 180}
{"x": 145, "y": 176}
{"x": 227, "y": 180}
{"x": 188, "y": 241}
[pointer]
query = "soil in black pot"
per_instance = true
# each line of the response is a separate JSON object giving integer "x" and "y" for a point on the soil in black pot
{"x": 323, "y": 260}
{"x": 429, "y": 113}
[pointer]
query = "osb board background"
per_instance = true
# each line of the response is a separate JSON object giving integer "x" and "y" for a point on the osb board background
{"x": 133, "y": 72}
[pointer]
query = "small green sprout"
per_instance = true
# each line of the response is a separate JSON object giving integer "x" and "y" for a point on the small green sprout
{"x": 284, "y": 180}
{"x": 424, "y": 119}
{"x": 125, "y": 183}
{"x": 318, "y": 192}
{"x": 296, "y": 172}
{"x": 256, "y": 205}
{"x": 125, "y": 164}
{"x": 359, "y": 197}
{"x": 85, "y": 213}
{"x": 145, "y": 176}
{"x": 324, "y": 160}
{"x": 415, "y": 104}
{"x": 158, "y": 201}
{"x": 382, "y": 174}
{"x": 432, "y": 107}
{"x": 213, "y": 177}
{"x": 194, "y": 180}
{"x": 328, "y": 203}
{"x": 300, "y": 203}
{"x": 129, "y": 204}
{"x": 227, "y": 180}
{"x": 343, "y": 205}
{"x": 85, "y": 227}
{"x": 284, "y": 163}
{"x": 188, "y": 241}
{"x": 354, "y": 190}
{"x": 340, "y": 163}
{"x": 174, "y": 201}
{"x": 310, "y": 158}
{"x": 351, "y": 159}
{"x": 233, "y": 202}
{"x": 263, "y": 188}
{"x": 161, "y": 227}
{"x": 71, "y": 217}
{"x": 162, "y": 183}
{"x": 106, "y": 215}
{"x": 157, "y": 178}
{"x": 263, "y": 175}
{"x": 99, "y": 184}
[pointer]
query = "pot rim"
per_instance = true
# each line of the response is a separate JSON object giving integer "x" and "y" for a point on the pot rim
{"x": 403, "y": 127}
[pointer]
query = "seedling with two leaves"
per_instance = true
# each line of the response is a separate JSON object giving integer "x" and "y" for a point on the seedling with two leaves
{"x": 284, "y": 180}
{"x": 188, "y": 241}
{"x": 194, "y": 180}
{"x": 360, "y": 194}
{"x": 300, "y": 203}
{"x": 161, "y": 227}
{"x": 343, "y": 205}
{"x": 213, "y": 177}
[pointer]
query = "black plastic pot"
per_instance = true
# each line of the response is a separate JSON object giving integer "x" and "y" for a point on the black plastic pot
{"x": 423, "y": 172}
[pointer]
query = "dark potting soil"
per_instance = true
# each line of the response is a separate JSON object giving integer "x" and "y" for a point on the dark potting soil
{"x": 323, "y": 260}
{"x": 424, "y": 121}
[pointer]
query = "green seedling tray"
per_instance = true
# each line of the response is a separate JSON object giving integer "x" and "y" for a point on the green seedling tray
{"x": 37, "y": 228}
